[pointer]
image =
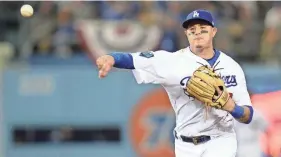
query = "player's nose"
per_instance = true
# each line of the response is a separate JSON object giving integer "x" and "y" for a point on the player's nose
{"x": 197, "y": 31}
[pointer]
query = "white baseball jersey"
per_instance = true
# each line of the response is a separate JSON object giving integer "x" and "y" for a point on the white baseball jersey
{"x": 172, "y": 71}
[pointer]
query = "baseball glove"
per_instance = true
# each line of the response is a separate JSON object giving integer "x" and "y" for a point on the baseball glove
{"x": 206, "y": 86}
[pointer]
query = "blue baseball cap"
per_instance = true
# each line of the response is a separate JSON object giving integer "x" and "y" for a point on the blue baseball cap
{"x": 203, "y": 15}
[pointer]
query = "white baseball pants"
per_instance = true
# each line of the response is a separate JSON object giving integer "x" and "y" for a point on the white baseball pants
{"x": 223, "y": 146}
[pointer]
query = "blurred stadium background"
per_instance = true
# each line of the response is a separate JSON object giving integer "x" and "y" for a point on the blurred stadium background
{"x": 54, "y": 105}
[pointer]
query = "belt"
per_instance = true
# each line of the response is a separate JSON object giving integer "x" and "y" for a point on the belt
{"x": 195, "y": 140}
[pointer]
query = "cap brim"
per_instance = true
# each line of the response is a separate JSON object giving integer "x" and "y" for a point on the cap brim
{"x": 186, "y": 23}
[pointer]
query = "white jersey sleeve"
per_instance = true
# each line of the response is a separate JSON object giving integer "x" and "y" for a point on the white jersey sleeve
{"x": 149, "y": 66}
{"x": 240, "y": 92}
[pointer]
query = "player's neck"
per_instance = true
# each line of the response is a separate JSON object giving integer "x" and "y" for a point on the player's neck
{"x": 205, "y": 53}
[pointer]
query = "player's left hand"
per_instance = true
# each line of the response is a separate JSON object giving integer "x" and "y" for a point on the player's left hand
{"x": 206, "y": 86}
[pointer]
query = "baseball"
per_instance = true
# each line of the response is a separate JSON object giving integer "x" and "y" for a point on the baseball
{"x": 26, "y": 10}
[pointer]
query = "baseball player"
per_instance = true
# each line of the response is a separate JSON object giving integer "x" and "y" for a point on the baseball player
{"x": 206, "y": 88}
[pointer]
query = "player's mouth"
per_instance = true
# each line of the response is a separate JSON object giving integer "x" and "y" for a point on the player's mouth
{"x": 198, "y": 38}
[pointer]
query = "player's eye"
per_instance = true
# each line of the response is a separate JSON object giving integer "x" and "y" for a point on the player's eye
{"x": 191, "y": 29}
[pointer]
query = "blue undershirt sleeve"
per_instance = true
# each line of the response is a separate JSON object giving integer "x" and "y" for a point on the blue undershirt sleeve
{"x": 251, "y": 114}
{"x": 123, "y": 60}
{"x": 238, "y": 112}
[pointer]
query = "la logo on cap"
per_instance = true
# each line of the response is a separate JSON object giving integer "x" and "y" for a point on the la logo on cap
{"x": 195, "y": 14}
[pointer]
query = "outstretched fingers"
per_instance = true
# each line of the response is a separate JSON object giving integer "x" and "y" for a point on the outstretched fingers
{"x": 104, "y": 69}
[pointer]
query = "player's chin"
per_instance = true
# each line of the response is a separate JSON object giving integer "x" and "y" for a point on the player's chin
{"x": 199, "y": 46}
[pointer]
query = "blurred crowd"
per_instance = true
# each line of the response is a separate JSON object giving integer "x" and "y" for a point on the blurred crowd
{"x": 248, "y": 30}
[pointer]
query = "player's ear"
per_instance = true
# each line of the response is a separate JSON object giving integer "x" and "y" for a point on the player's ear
{"x": 214, "y": 31}
{"x": 185, "y": 31}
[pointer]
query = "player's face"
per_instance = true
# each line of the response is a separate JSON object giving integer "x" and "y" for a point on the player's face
{"x": 200, "y": 34}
